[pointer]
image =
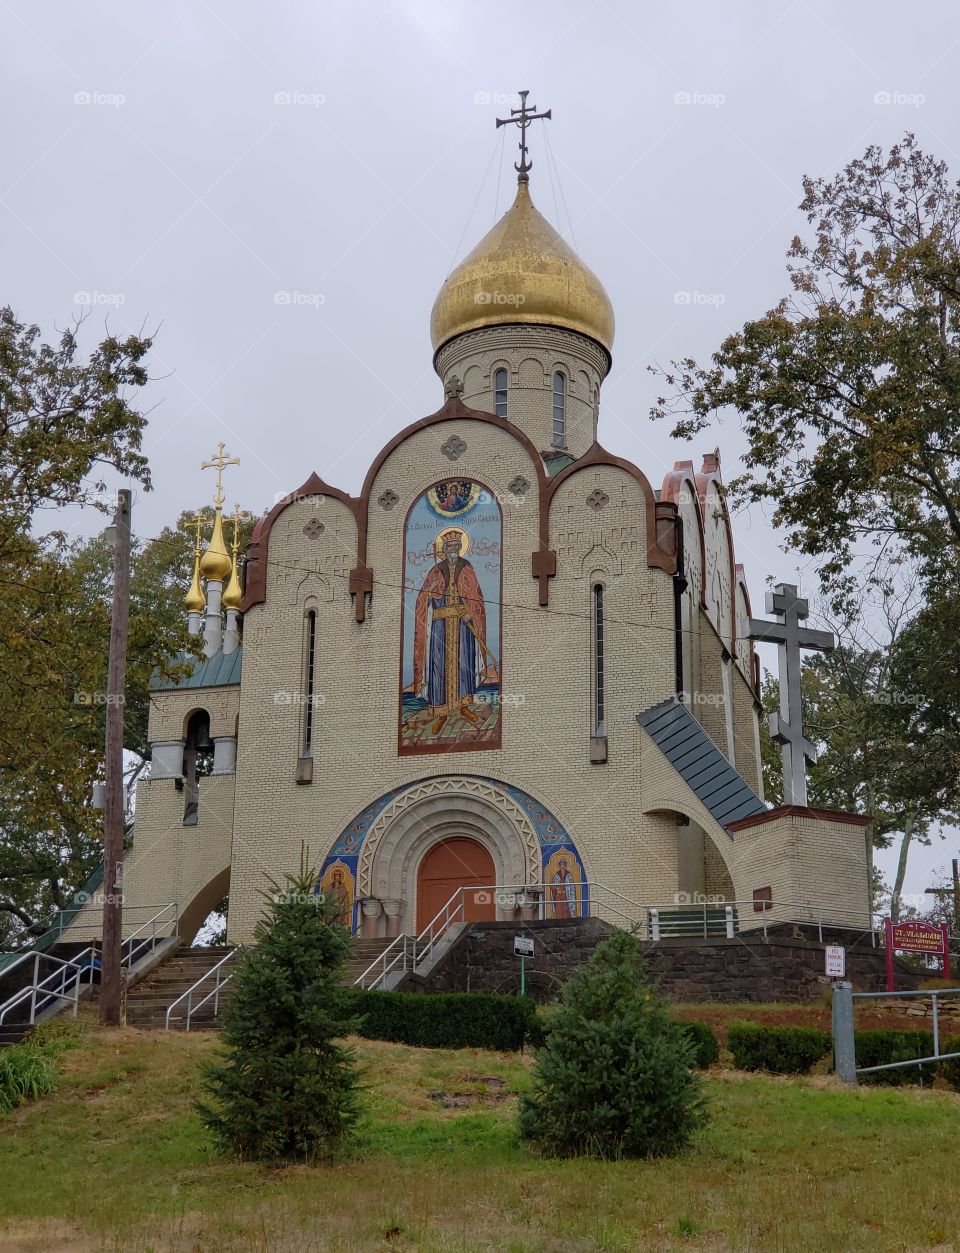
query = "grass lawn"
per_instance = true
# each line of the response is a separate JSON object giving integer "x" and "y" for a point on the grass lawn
{"x": 116, "y": 1159}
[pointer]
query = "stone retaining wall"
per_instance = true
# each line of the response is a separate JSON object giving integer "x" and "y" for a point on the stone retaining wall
{"x": 779, "y": 968}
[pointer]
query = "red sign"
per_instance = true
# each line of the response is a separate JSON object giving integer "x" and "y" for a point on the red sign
{"x": 916, "y": 937}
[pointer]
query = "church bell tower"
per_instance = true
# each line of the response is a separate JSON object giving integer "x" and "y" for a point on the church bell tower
{"x": 526, "y": 326}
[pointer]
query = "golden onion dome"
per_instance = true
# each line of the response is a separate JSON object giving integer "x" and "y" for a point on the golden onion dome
{"x": 195, "y": 600}
{"x": 215, "y": 563}
{"x": 233, "y": 592}
{"x": 522, "y": 271}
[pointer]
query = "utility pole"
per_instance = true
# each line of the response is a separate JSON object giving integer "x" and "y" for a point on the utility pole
{"x": 110, "y": 972}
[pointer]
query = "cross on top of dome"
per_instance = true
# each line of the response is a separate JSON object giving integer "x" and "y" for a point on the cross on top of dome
{"x": 522, "y": 117}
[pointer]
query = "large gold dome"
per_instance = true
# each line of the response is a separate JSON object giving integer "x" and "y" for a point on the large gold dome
{"x": 522, "y": 271}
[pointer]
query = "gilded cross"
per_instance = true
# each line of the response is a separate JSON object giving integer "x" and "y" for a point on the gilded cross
{"x": 219, "y": 462}
{"x": 786, "y": 727}
{"x": 522, "y": 117}
{"x": 236, "y": 518}
{"x": 197, "y": 525}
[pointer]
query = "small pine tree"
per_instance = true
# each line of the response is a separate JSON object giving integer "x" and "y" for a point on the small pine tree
{"x": 615, "y": 1077}
{"x": 286, "y": 1089}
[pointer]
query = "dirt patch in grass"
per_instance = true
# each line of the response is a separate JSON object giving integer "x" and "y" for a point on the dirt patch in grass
{"x": 719, "y": 1017}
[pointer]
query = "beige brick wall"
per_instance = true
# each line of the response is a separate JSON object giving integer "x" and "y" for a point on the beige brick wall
{"x": 530, "y": 354}
{"x": 171, "y": 862}
{"x": 170, "y": 711}
{"x": 806, "y": 858}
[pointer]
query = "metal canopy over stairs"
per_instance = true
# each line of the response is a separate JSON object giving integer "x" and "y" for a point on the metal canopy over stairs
{"x": 698, "y": 761}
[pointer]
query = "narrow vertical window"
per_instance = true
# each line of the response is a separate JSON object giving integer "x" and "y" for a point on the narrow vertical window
{"x": 599, "y": 710}
{"x": 500, "y": 393}
{"x": 308, "y": 684}
{"x": 559, "y": 410}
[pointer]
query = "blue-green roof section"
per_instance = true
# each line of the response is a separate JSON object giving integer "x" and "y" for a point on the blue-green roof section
{"x": 698, "y": 761}
{"x": 220, "y": 670}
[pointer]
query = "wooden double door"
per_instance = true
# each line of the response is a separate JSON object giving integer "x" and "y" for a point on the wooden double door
{"x": 456, "y": 862}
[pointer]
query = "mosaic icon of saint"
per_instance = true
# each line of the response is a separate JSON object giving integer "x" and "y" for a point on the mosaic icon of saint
{"x": 563, "y": 891}
{"x": 450, "y": 655}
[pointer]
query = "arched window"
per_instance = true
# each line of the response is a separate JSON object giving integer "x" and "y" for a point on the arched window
{"x": 559, "y": 410}
{"x": 197, "y": 762}
{"x": 500, "y": 393}
{"x": 309, "y": 681}
{"x": 599, "y": 696}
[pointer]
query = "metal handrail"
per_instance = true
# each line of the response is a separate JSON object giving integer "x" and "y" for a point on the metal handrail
{"x": 844, "y": 1034}
{"x": 82, "y": 963}
{"x": 413, "y": 950}
{"x": 188, "y": 995}
{"x": 423, "y": 944}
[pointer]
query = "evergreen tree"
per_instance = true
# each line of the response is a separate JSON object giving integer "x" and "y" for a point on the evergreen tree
{"x": 287, "y": 1090}
{"x": 616, "y": 1075}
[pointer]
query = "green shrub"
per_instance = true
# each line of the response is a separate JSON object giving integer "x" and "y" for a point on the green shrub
{"x": 951, "y": 1070}
{"x": 26, "y": 1073}
{"x": 781, "y": 1050}
{"x": 705, "y": 1043}
{"x": 287, "y": 1087}
{"x": 616, "y": 1076}
{"x": 878, "y": 1047}
{"x": 445, "y": 1020}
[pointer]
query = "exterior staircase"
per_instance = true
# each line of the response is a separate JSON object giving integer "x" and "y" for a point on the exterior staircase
{"x": 362, "y": 954}
{"x": 149, "y": 1000}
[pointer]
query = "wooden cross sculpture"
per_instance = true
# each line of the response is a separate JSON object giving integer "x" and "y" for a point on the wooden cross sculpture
{"x": 786, "y": 728}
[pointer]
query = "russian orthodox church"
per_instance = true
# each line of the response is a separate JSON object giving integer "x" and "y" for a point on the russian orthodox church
{"x": 514, "y": 663}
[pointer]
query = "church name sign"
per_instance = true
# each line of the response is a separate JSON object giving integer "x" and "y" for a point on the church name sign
{"x": 916, "y": 937}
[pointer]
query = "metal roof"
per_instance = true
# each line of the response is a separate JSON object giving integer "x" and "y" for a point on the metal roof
{"x": 698, "y": 761}
{"x": 220, "y": 670}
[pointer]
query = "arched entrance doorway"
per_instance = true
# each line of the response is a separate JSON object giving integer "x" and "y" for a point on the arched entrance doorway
{"x": 455, "y": 863}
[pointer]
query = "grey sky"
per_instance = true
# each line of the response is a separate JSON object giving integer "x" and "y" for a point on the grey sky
{"x": 181, "y": 164}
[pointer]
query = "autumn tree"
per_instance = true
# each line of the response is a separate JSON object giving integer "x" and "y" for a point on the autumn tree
{"x": 848, "y": 391}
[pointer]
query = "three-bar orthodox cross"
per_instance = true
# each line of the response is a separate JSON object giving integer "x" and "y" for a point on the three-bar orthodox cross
{"x": 786, "y": 728}
{"x": 522, "y": 117}
{"x": 219, "y": 463}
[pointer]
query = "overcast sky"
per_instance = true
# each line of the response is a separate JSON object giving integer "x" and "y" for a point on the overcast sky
{"x": 281, "y": 189}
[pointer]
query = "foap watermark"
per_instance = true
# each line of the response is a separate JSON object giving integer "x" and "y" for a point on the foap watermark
{"x": 294, "y": 498}
{"x": 886, "y": 696}
{"x": 715, "y": 298}
{"x": 513, "y": 698}
{"x": 100, "y": 99}
{"x": 98, "y": 698}
{"x": 912, "y": 99}
{"x": 99, "y": 899}
{"x": 299, "y": 698}
{"x": 308, "y": 99}
{"x": 706, "y": 99}
{"x": 702, "y": 698}
{"x": 499, "y": 298}
{"x": 500, "y": 98}
{"x": 310, "y": 299}
{"x": 697, "y": 898}
{"x": 91, "y": 298}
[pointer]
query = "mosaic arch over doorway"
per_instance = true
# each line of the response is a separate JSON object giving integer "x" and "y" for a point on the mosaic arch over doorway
{"x": 377, "y": 853}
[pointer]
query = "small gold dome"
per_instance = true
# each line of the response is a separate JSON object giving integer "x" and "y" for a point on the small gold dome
{"x": 522, "y": 271}
{"x": 215, "y": 563}
{"x": 195, "y": 600}
{"x": 233, "y": 592}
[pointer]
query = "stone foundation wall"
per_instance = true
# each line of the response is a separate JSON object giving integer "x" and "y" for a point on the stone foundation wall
{"x": 780, "y": 968}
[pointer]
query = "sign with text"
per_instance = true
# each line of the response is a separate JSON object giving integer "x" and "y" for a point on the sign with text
{"x": 916, "y": 937}
{"x": 522, "y": 946}
{"x": 836, "y": 961}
